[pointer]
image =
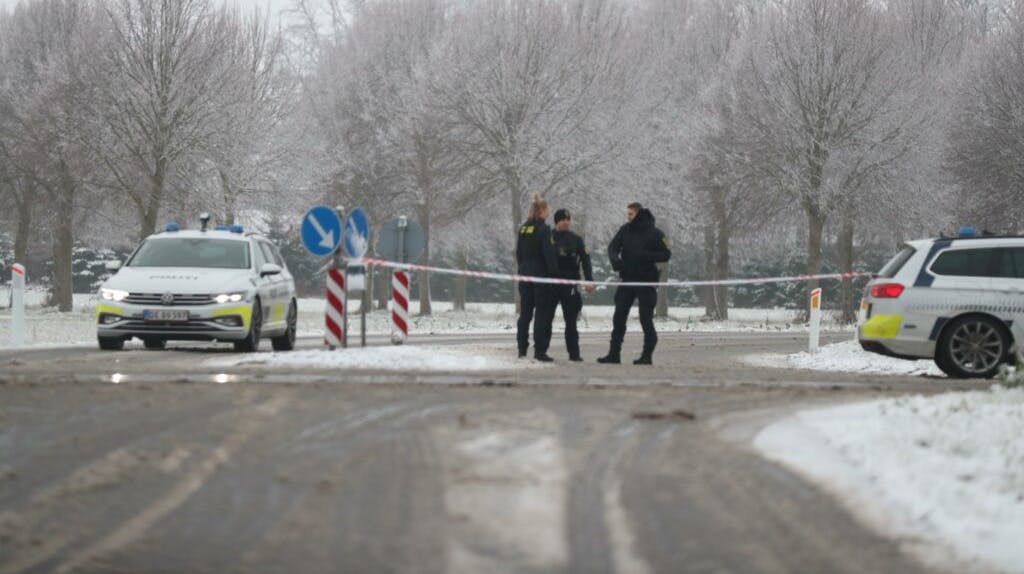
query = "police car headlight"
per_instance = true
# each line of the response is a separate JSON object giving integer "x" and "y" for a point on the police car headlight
{"x": 113, "y": 294}
{"x": 229, "y": 298}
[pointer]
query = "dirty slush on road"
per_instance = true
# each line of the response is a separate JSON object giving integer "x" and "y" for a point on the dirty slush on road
{"x": 587, "y": 470}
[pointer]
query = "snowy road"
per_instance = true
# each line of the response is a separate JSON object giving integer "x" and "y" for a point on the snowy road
{"x": 499, "y": 469}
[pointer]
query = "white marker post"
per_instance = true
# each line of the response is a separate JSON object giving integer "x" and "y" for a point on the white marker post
{"x": 815, "y": 341}
{"x": 17, "y": 305}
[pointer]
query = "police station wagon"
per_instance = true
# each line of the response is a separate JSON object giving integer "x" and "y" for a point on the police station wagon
{"x": 207, "y": 285}
{"x": 959, "y": 301}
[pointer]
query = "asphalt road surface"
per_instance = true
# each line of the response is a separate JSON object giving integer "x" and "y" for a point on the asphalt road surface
{"x": 572, "y": 468}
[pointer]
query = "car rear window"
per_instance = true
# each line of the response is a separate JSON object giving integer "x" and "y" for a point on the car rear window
{"x": 896, "y": 263}
{"x": 192, "y": 252}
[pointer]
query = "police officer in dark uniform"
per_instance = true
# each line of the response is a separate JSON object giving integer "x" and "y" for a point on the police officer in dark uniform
{"x": 572, "y": 256}
{"x": 535, "y": 254}
{"x": 634, "y": 253}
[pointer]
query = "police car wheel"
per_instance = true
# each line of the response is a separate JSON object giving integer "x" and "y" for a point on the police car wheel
{"x": 251, "y": 343}
{"x": 972, "y": 347}
{"x": 111, "y": 343}
{"x": 286, "y": 342}
{"x": 155, "y": 344}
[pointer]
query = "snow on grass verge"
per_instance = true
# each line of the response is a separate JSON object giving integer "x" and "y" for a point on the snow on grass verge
{"x": 944, "y": 474}
{"x": 47, "y": 327}
{"x": 847, "y": 357}
{"x": 413, "y": 358}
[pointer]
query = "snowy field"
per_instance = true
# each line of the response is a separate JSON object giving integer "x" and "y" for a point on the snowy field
{"x": 847, "y": 357}
{"x": 46, "y": 327}
{"x": 942, "y": 474}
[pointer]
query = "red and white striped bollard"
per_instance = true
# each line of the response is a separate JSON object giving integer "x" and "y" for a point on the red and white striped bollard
{"x": 399, "y": 307}
{"x": 334, "y": 333}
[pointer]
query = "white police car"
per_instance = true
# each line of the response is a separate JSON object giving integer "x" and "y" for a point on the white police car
{"x": 217, "y": 285}
{"x": 959, "y": 301}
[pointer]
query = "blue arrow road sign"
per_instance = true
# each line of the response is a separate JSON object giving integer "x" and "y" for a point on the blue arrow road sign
{"x": 357, "y": 233}
{"x": 321, "y": 231}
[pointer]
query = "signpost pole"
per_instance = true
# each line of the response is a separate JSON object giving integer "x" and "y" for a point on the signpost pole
{"x": 321, "y": 235}
{"x": 339, "y": 263}
{"x": 363, "y": 306}
{"x": 17, "y": 305}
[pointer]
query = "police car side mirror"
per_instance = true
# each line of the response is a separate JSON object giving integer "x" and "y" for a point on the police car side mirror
{"x": 270, "y": 269}
{"x": 113, "y": 265}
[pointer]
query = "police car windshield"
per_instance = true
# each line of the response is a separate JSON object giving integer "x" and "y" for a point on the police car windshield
{"x": 192, "y": 252}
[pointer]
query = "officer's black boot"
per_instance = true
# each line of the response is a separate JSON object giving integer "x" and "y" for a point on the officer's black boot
{"x": 612, "y": 358}
{"x": 543, "y": 358}
{"x": 645, "y": 359}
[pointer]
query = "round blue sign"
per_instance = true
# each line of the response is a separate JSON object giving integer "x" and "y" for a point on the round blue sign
{"x": 321, "y": 231}
{"x": 357, "y": 233}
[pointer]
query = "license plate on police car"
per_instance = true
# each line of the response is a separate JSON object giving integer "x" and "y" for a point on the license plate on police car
{"x": 165, "y": 315}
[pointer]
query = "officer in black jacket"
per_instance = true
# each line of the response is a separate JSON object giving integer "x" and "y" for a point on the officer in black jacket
{"x": 535, "y": 254}
{"x": 634, "y": 253}
{"x": 572, "y": 255}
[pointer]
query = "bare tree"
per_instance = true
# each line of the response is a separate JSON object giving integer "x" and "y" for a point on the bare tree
{"x": 539, "y": 91}
{"x": 823, "y": 94}
{"x": 986, "y": 150}
{"x": 252, "y": 142}
{"x": 165, "y": 74}
{"x": 48, "y": 106}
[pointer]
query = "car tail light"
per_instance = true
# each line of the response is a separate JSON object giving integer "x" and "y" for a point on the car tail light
{"x": 887, "y": 291}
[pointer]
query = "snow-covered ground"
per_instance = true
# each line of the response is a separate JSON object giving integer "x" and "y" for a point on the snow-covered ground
{"x": 48, "y": 327}
{"x": 942, "y": 474}
{"x": 415, "y": 358}
{"x": 847, "y": 357}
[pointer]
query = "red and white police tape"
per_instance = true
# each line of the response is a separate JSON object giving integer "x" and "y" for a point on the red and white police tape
{"x": 334, "y": 333}
{"x": 399, "y": 307}
{"x": 556, "y": 281}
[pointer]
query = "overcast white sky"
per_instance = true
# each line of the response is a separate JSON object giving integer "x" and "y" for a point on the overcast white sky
{"x": 275, "y": 5}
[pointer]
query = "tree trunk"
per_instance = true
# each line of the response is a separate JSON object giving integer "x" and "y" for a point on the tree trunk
{"x": 150, "y": 208}
{"x": 815, "y": 232}
{"x": 708, "y": 292}
{"x": 662, "y": 309}
{"x": 382, "y": 286}
{"x": 229, "y": 198}
{"x": 516, "y": 195}
{"x": 722, "y": 258}
{"x": 849, "y": 311}
{"x": 149, "y": 216}
{"x": 63, "y": 246}
{"x": 425, "y": 307}
{"x": 23, "y": 232}
{"x": 459, "y": 303}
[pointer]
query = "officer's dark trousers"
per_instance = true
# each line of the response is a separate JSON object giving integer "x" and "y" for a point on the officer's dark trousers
{"x": 536, "y": 300}
{"x": 569, "y": 298}
{"x": 624, "y": 297}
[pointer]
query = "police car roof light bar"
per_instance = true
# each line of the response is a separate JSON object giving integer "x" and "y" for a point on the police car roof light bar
{"x": 223, "y": 228}
{"x": 967, "y": 232}
{"x": 172, "y": 227}
{"x": 236, "y": 229}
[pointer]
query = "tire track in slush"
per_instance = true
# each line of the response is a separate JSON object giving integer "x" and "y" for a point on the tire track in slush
{"x": 368, "y": 437}
{"x": 138, "y": 525}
